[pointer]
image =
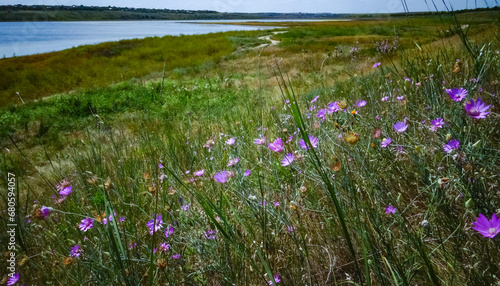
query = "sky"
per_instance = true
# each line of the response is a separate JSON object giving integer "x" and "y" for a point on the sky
{"x": 305, "y": 6}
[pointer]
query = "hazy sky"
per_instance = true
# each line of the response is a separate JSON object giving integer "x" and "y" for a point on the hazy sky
{"x": 331, "y": 6}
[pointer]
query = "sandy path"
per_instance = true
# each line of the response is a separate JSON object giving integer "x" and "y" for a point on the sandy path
{"x": 268, "y": 37}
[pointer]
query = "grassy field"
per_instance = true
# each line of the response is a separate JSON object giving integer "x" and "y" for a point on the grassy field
{"x": 348, "y": 153}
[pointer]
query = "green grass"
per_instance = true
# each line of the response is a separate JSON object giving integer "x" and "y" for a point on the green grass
{"x": 324, "y": 220}
{"x": 99, "y": 65}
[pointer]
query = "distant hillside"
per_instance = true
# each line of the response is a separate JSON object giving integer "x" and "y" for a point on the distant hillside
{"x": 15, "y": 13}
{"x": 92, "y": 13}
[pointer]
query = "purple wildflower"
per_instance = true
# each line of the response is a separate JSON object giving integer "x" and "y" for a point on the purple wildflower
{"x": 377, "y": 65}
{"x": 260, "y": 141}
{"x": 247, "y": 173}
{"x": 400, "y": 127}
{"x": 231, "y": 141}
{"x": 169, "y": 231}
{"x": 277, "y": 145}
{"x": 390, "y": 209}
{"x": 452, "y": 144}
{"x": 86, "y": 224}
{"x": 185, "y": 207}
{"x": 13, "y": 279}
{"x": 361, "y": 103}
{"x": 155, "y": 224}
{"x": 321, "y": 114}
{"x": 477, "y": 109}
{"x": 176, "y": 256}
{"x": 121, "y": 219}
{"x": 437, "y": 123}
{"x": 160, "y": 165}
{"x": 199, "y": 173}
{"x": 276, "y": 279}
{"x": 232, "y": 162}
{"x": 164, "y": 246}
{"x": 44, "y": 212}
{"x": 400, "y": 97}
{"x": 333, "y": 107}
{"x": 75, "y": 251}
{"x": 385, "y": 98}
{"x": 210, "y": 234}
{"x": 385, "y": 142}
{"x": 287, "y": 160}
{"x": 312, "y": 139}
{"x": 221, "y": 177}
{"x": 66, "y": 191}
{"x": 487, "y": 228}
{"x": 457, "y": 94}
{"x": 314, "y": 99}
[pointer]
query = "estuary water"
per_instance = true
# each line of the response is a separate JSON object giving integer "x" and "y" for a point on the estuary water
{"x": 27, "y": 38}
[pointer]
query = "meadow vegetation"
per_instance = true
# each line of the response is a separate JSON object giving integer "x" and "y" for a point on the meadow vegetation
{"x": 350, "y": 153}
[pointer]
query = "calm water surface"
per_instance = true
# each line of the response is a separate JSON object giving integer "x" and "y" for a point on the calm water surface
{"x": 27, "y": 38}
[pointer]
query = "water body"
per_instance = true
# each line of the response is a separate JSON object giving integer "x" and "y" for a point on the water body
{"x": 28, "y": 38}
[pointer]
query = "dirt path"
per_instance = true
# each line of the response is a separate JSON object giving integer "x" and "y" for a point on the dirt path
{"x": 268, "y": 37}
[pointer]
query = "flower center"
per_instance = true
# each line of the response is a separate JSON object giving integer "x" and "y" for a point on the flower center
{"x": 474, "y": 111}
{"x": 492, "y": 230}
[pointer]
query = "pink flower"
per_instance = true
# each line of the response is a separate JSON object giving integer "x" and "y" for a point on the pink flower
{"x": 169, "y": 231}
{"x": 199, "y": 173}
{"x": 276, "y": 279}
{"x": 155, "y": 224}
{"x": 385, "y": 142}
{"x": 333, "y": 107}
{"x": 321, "y": 114}
{"x": 312, "y": 139}
{"x": 376, "y": 65}
{"x": 457, "y": 94}
{"x": 66, "y": 191}
{"x": 75, "y": 251}
{"x": 164, "y": 246}
{"x": 287, "y": 160}
{"x": 437, "y": 123}
{"x": 13, "y": 279}
{"x": 361, "y": 103}
{"x": 477, "y": 109}
{"x": 452, "y": 144}
{"x": 247, "y": 173}
{"x": 44, "y": 212}
{"x": 231, "y": 141}
{"x": 400, "y": 127}
{"x": 390, "y": 209}
{"x": 86, "y": 224}
{"x": 221, "y": 177}
{"x": 487, "y": 228}
{"x": 276, "y": 146}
{"x": 260, "y": 141}
{"x": 232, "y": 162}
